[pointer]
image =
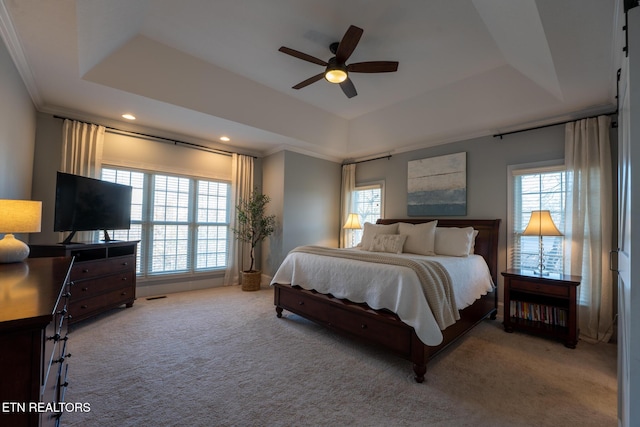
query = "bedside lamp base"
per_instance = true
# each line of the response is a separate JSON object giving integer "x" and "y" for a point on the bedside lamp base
{"x": 12, "y": 250}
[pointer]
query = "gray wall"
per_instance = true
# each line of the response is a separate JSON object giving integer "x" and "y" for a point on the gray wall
{"x": 305, "y": 196}
{"x": 46, "y": 162}
{"x": 487, "y": 161}
{"x": 17, "y": 132}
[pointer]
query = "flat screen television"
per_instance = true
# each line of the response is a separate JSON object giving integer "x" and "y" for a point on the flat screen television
{"x": 88, "y": 204}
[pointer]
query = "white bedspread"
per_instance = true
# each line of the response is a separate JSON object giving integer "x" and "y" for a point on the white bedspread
{"x": 395, "y": 288}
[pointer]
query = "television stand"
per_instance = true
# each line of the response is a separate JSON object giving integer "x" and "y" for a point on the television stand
{"x": 103, "y": 275}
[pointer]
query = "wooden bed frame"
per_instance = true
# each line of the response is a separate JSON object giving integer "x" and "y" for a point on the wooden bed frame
{"x": 384, "y": 328}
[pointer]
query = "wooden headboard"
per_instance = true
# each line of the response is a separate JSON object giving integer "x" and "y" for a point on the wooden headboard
{"x": 486, "y": 242}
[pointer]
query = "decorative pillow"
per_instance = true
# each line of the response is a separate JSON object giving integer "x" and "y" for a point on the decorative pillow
{"x": 420, "y": 237}
{"x": 473, "y": 242}
{"x": 453, "y": 241}
{"x": 371, "y": 230}
{"x": 391, "y": 243}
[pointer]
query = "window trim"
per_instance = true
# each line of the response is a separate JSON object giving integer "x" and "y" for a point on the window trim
{"x": 555, "y": 165}
{"x": 374, "y": 184}
{"x": 369, "y": 185}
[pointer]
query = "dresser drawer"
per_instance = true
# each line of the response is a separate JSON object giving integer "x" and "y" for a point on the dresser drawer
{"x": 292, "y": 300}
{"x": 91, "y": 287}
{"x": 88, "y": 269}
{"x": 80, "y": 309}
{"x": 375, "y": 330}
{"x": 539, "y": 288}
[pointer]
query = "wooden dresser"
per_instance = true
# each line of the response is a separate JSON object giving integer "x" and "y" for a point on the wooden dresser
{"x": 103, "y": 275}
{"x": 34, "y": 297}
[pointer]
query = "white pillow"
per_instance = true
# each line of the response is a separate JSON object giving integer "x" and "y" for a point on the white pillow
{"x": 473, "y": 242}
{"x": 421, "y": 238}
{"x": 371, "y": 230}
{"x": 392, "y": 243}
{"x": 453, "y": 241}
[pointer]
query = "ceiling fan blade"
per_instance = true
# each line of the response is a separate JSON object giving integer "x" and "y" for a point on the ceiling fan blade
{"x": 348, "y": 88}
{"x": 348, "y": 43}
{"x": 373, "y": 67}
{"x": 309, "y": 81}
{"x": 303, "y": 56}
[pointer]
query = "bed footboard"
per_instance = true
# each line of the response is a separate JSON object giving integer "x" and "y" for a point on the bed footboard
{"x": 378, "y": 327}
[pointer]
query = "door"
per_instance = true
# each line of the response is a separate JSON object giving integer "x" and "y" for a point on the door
{"x": 628, "y": 233}
{"x": 624, "y": 249}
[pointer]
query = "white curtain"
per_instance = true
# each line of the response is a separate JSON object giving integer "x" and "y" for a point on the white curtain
{"x": 588, "y": 229}
{"x": 346, "y": 195}
{"x": 82, "y": 155}
{"x": 82, "y": 148}
{"x": 241, "y": 188}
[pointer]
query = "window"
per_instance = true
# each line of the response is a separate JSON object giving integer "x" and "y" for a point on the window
{"x": 367, "y": 202}
{"x": 182, "y": 222}
{"x": 537, "y": 188}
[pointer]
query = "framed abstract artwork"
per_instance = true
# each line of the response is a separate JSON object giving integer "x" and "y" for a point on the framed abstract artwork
{"x": 437, "y": 186}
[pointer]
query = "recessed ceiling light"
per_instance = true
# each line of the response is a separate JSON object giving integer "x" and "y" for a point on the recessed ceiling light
{"x": 225, "y": 138}
{"x": 129, "y": 116}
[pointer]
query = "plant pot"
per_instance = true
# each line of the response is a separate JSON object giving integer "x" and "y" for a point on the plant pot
{"x": 251, "y": 280}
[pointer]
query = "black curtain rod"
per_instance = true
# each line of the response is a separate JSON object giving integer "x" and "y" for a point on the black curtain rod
{"x": 167, "y": 140}
{"x": 367, "y": 160}
{"x": 500, "y": 135}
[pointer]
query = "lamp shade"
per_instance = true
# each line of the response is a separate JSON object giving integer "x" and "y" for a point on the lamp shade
{"x": 20, "y": 216}
{"x": 17, "y": 216}
{"x": 541, "y": 224}
{"x": 353, "y": 222}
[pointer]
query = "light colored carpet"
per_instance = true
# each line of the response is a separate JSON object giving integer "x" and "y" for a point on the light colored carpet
{"x": 220, "y": 357}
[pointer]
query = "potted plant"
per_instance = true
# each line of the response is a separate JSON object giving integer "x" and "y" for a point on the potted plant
{"x": 252, "y": 227}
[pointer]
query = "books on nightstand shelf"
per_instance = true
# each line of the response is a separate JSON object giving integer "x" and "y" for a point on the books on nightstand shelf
{"x": 546, "y": 314}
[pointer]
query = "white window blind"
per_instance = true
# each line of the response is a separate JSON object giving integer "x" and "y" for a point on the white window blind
{"x": 182, "y": 222}
{"x": 367, "y": 202}
{"x": 537, "y": 189}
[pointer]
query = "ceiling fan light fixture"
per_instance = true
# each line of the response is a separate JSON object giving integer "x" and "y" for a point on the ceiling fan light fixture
{"x": 335, "y": 75}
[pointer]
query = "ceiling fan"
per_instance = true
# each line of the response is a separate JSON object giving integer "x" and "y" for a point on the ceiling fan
{"x": 336, "y": 69}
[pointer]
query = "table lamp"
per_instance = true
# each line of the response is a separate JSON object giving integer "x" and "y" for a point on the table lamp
{"x": 541, "y": 224}
{"x": 17, "y": 216}
{"x": 353, "y": 223}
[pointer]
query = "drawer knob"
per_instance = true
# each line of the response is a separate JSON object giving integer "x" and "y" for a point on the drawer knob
{"x": 61, "y": 360}
{"x": 83, "y": 306}
{"x": 85, "y": 289}
{"x": 363, "y": 326}
{"x": 125, "y": 263}
{"x": 124, "y": 279}
{"x": 85, "y": 270}
{"x": 123, "y": 293}
{"x": 56, "y": 337}
{"x": 300, "y": 302}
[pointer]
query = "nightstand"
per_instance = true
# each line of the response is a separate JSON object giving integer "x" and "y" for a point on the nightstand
{"x": 542, "y": 304}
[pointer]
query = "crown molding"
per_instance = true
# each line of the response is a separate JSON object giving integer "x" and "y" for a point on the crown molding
{"x": 10, "y": 37}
